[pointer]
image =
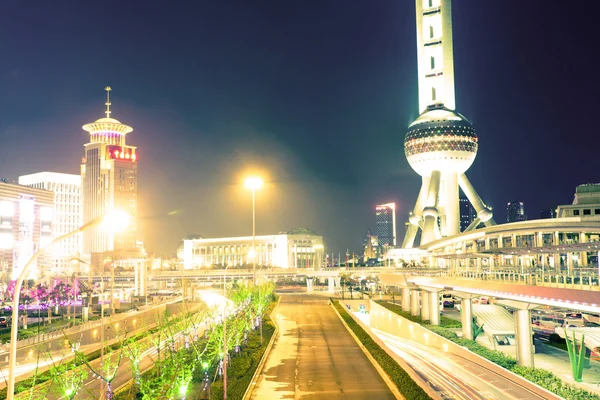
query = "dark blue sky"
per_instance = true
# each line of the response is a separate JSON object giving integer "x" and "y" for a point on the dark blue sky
{"x": 316, "y": 94}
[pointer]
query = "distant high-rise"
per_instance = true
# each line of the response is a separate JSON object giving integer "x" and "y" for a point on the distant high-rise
{"x": 386, "y": 224}
{"x": 515, "y": 212}
{"x": 109, "y": 181}
{"x": 548, "y": 213}
{"x": 370, "y": 246}
{"x": 467, "y": 212}
{"x": 67, "y": 215}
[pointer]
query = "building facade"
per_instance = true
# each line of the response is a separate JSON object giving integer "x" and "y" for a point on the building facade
{"x": 300, "y": 248}
{"x": 26, "y": 216}
{"x": 67, "y": 215}
{"x": 467, "y": 212}
{"x": 515, "y": 212}
{"x": 385, "y": 224}
{"x": 109, "y": 181}
{"x": 585, "y": 204}
{"x": 370, "y": 246}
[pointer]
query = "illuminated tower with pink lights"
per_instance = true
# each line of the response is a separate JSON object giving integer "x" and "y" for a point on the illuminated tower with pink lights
{"x": 108, "y": 181}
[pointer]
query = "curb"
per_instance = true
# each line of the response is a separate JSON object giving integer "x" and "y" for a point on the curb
{"x": 386, "y": 378}
{"x": 265, "y": 355}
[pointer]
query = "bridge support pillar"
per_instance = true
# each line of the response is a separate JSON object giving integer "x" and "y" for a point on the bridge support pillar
{"x": 425, "y": 298}
{"x": 406, "y": 299}
{"x": 523, "y": 338}
{"x": 331, "y": 284}
{"x": 466, "y": 317}
{"x": 414, "y": 302}
{"x": 434, "y": 308}
{"x": 338, "y": 282}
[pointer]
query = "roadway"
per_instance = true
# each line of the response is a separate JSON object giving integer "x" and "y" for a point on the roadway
{"x": 315, "y": 357}
{"x": 450, "y": 375}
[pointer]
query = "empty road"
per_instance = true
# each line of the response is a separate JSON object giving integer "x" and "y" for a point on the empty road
{"x": 315, "y": 357}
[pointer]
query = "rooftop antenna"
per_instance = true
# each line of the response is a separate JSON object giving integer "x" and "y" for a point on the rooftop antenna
{"x": 108, "y": 103}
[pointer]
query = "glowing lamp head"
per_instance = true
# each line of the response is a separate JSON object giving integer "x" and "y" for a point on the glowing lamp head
{"x": 440, "y": 140}
{"x": 253, "y": 183}
{"x": 116, "y": 221}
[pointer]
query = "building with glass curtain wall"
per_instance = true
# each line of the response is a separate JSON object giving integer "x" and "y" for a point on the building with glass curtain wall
{"x": 515, "y": 212}
{"x": 26, "y": 216}
{"x": 385, "y": 224}
{"x": 67, "y": 215}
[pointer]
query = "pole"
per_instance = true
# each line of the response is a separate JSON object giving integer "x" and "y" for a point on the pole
{"x": 225, "y": 330}
{"x": 102, "y": 330}
{"x": 12, "y": 357}
{"x": 253, "y": 236}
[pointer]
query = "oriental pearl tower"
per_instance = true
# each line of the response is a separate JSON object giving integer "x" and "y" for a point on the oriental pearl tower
{"x": 440, "y": 144}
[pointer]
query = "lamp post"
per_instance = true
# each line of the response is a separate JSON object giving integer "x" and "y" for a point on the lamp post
{"x": 225, "y": 333}
{"x": 253, "y": 183}
{"x": 111, "y": 219}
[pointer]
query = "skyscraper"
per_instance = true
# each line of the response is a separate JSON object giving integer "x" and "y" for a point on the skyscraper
{"x": 440, "y": 144}
{"x": 66, "y": 216}
{"x": 515, "y": 212}
{"x": 385, "y": 220}
{"x": 467, "y": 212}
{"x": 109, "y": 181}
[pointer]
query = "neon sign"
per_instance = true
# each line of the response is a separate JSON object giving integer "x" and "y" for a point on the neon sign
{"x": 120, "y": 153}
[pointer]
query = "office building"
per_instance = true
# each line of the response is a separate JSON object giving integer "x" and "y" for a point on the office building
{"x": 66, "y": 216}
{"x": 548, "y": 213}
{"x": 300, "y": 248}
{"x": 385, "y": 224}
{"x": 109, "y": 181}
{"x": 441, "y": 144}
{"x": 26, "y": 216}
{"x": 467, "y": 212}
{"x": 515, "y": 212}
{"x": 370, "y": 246}
{"x": 585, "y": 204}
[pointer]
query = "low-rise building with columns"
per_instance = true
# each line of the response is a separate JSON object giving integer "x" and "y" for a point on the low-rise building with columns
{"x": 300, "y": 248}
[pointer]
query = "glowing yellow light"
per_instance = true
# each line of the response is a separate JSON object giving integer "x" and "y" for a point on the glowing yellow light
{"x": 116, "y": 220}
{"x": 251, "y": 253}
{"x": 253, "y": 183}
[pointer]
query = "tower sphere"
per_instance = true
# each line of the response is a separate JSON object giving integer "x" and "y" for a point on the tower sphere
{"x": 440, "y": 140}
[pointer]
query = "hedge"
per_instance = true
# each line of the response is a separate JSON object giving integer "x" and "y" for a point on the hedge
{"x": 405, "y": 384}
{"x": 540, "y": 377}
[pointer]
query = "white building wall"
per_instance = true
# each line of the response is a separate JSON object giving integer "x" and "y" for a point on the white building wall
{"x": 66, "y": 216}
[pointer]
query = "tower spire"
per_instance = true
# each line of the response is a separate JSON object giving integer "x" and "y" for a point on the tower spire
{"x": 108, "y": 103}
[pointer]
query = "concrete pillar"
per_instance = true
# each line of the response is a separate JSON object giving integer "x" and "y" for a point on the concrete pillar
{"x": 406, "y": 299}
{"x": 425, "y": 306}
{"x": 466, "y": 317}
{"x": 434, "y": 308}
{"x": 331, "y": 284}
{"x": 414, "y": 302}
{"x": 309, "y": 284}
{"x": 523, "y": 338}
{"x": 338, "y": 282}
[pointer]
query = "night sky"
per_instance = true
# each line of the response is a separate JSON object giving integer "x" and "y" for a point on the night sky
{"x": 315, "y": 95}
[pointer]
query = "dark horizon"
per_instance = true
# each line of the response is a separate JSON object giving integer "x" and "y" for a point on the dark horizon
{"x": 316, "y": 96}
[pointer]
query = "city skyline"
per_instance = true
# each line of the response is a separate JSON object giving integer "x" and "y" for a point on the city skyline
{"x": 230, "y": 118}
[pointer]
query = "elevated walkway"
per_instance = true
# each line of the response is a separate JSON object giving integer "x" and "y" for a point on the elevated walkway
{"x": 498, "y": 324}
{"x": 591, "y": 336}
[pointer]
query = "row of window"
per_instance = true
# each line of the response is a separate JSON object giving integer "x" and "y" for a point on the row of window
{"x": 587, "y": 211}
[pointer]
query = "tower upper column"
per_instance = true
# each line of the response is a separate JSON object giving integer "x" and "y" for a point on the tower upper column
{"x": 434, "y": 53}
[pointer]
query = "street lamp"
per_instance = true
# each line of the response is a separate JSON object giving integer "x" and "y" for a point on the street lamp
{"x": 253, "y": 183}
{"x": 113, "y": 220}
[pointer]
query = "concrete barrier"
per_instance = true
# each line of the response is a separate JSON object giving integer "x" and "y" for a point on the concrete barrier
{"x": 392, "y": 323}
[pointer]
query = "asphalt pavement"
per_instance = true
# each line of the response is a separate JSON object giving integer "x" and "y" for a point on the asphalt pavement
{"x": 315, "y": 357}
